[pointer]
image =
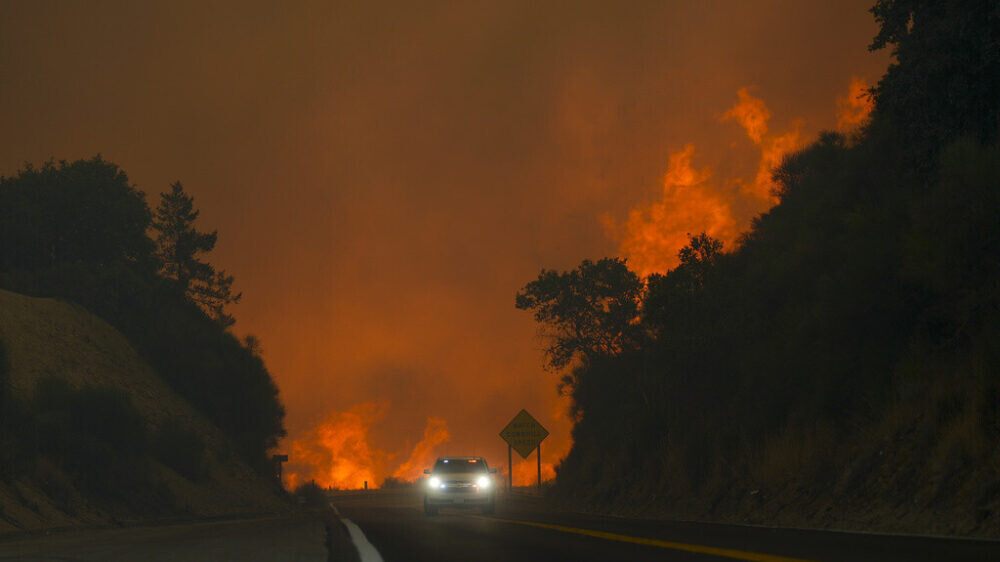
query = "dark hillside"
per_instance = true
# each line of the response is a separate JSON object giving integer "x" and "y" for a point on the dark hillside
{"x": 79, "y": 231}
{"x": 92, "y": 436}
{"x": 840, "y": 366}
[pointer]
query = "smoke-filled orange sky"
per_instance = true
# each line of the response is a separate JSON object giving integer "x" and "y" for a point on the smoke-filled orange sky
{"x": 384, "y": 177}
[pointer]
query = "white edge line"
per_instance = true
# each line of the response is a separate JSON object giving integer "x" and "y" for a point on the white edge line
{"x": 366, "y": 552}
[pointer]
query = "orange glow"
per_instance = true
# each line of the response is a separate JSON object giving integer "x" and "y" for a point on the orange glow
{"x": 855, "y": 106}
{"x": 526, "y": 472}
{"x": 773, "y": 150}
{"x": 336, "y": 453}
{"x": 423, "y": 455}
{"x": 751, "y": 113}
{"x": 384, "y": 178}
{"x": 690, "y": 204}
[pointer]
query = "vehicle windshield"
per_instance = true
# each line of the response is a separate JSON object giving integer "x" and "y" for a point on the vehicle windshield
{"x": 451, "y": 466}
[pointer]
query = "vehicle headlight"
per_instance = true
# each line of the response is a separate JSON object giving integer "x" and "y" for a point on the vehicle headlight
{"x": 435, "y": 482}
{"x": 484, "y": 482}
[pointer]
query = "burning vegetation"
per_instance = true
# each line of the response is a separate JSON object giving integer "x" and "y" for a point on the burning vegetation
{"x": 694, "y": 201}
{"x": 338, "y": 452}
{"x": 838, "y": 365}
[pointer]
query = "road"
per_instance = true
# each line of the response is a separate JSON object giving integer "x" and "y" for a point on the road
{"x": 524, "y": 530}
{"x": 390, "y": 525}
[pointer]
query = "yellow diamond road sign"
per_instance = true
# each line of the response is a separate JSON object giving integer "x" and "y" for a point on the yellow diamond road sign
{"x": 524, "y": 433}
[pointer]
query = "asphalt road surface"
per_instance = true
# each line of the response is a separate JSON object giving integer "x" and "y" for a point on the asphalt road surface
{"x": 523, "y": 530}
{"x": 390, "y": 525}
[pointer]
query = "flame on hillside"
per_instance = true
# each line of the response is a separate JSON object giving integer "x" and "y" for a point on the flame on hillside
{"x": 526, "y": 472}
{"x": 854, "y": 107}
{"x": 652, "y": 235}
{"x": 752, "y": 114}
{"x": 337, "y": 453}
{"x": 693, "y": 202}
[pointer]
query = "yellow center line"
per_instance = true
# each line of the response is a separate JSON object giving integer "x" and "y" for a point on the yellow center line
{"x": 696, "y": 548}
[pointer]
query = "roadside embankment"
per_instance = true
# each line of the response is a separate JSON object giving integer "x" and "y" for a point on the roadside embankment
{"x": 93, "y": 437}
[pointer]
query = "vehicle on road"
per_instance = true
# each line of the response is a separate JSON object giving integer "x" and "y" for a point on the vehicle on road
{"x": 460, "y": 482}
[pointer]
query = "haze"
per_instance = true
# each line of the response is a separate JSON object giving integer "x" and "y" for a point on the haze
{"x": 384, "y": 178}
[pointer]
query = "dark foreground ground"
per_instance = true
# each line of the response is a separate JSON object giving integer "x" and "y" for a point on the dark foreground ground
{"x": 301, "y": 538}
{"x": 391, "y": 526}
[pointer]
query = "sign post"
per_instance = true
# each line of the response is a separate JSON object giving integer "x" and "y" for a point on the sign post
{"x": 539, "y": 457}
{"x": 276, "y": 461}
{"x": 510, "y": 473}
{"x": 524, "y": 434}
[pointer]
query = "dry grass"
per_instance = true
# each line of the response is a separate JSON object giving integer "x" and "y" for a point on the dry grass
{"x": 795, "y": 454}
{"x": 927, "y": 464}
{"x": 49, "y": 338}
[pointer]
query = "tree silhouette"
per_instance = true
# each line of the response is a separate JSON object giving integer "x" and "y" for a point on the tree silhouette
{"x": 676, "y": 293}
{"x": 946, "y": 76}
{"x": 78, "y": 231}
{"x": 179, "y": 247}
{"x": 698, "y": 257}
{"x": 83, "y": 213}
{"x": 589, "y": 311}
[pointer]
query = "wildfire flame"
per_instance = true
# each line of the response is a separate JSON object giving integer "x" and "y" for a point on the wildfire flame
{"x": 526, "y": 472}
{"x": 692, "y": 203}
{"x": 772, "y": 151}
{"x": 751, "y": 113}
{"x": 651, "y": 236}
{"x": 854, "y": 107}
{"x": 337, "y": 453}
{"x": 423, "y": 454}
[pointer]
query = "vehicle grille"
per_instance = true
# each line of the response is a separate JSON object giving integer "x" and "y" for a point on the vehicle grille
{"x": 458, "y": 486}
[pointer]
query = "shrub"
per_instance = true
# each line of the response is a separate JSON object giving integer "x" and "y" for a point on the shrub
{"x": 105, "y": 414}
{"x": 180, "y": 448}
{"x": 311, "y": 495}
{"x": 392, "y": 482}
{"x": 94, "y": 434}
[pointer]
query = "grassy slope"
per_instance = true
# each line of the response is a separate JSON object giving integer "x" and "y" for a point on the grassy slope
{"x": 910, "y": 473}
{"x": 46, "y": 337}
{"x": 924, "y": 467}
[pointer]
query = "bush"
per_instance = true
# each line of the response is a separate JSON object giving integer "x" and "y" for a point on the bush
{"x": 94, "y": 434}
{"x": 17, "y": 446}
{"x": 311, "y": 495}
{"x": 392, "y": 482}
{"x": 180, "y": 448}
{"x": 105, "y": 414}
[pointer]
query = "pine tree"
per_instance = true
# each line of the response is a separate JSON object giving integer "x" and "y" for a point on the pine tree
{"x": 179, "y": 247}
